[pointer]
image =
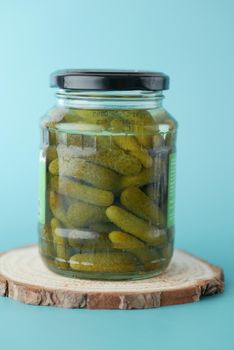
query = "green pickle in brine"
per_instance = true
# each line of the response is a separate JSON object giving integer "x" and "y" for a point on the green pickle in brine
{"x": 106, "y": 194}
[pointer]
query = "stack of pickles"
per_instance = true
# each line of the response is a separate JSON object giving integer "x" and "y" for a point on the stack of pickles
{"x": 107, "y": 193}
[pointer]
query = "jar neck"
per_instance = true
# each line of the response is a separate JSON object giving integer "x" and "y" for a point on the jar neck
{"x": 109, "y": 99}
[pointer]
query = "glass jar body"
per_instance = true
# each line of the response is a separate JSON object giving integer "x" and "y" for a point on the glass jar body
{"x": 107, "y": 186}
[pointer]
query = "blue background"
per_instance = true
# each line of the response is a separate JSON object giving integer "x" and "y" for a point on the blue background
{"x": 192, "y": 41}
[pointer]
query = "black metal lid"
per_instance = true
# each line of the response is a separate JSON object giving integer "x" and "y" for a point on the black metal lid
{"x": 90, "y": 79}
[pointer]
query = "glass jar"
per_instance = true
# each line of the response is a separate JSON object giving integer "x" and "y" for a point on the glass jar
{"x": 107, "y": 175}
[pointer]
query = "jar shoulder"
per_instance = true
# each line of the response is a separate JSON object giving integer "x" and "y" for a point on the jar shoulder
{"x": 164, "y": 118}
{"x": 115, "y": 120}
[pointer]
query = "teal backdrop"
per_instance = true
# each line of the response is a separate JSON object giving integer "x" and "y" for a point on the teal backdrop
{"x": 193, "y": 42}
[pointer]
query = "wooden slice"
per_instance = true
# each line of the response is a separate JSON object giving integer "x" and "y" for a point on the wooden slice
{"x": 24, "y": 277}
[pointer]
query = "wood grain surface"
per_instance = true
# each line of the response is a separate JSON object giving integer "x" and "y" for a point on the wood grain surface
{"x": 24, "y": 277}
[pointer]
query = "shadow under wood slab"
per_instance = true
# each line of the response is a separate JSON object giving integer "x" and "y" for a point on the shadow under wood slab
{"x": 24, "y": 277}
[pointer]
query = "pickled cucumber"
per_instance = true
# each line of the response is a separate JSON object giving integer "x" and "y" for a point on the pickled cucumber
{"x": 69, "y": 152}
{"x": 60, "y": 244}
{"x": 143, "y": 126}
{"x": 136, "y": 201}
{"x": 104, "y": 142}
{"x": 46, "y": 241}
{"x": 117, "y": 160}
{"x": 130, "y": 144}
{"x": 139, "y": 122}
{"x": 103, "y": 262}
{"x": 57, "y": 231}
{"x": 122, "y": 240}
{"x": 89, "y": 116}
{"x": 103, "y": 227}
{"x": 57, "y": 208}
{"x": 113, "y": 158}
{"x": 81, "y": 214}
{"x": 81, "y": 192}
{"x": 144, "y": 140}
{"x": 88, "y": 241}
{"x": 51, "y": 153}
{"x": 45, "y": 232}
{"x": 52, "y": 138}
{"x": 146, "y": 176}
{"x": 77, "y": 237}
{"x": 162, "y": 117}
{"x": 136, "y": 226}
{"x": 90, "y": 173}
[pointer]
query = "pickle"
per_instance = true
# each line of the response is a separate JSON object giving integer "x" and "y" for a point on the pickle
{"x": 60, "y": 244}
{"x": 143, "y": 124}
{"x": 146, "y": 176}
{"x": 51, "y": 153}
{"x": 71, "y": 116}
{"x": 136, "y": 226}
{"x": 122, "y": 240}
{"x": 81, "y": 192}
{"x": 103, "y": 227}
{"x": 111, "y": 158}
{"x": 57, "y": 229}
{"x": 77, "y": 237}
{"x": 46, "y": 248}
{"x": 130, "y": 144}
{"x": 162, "y": 117}
{"x": 145, "y": 140}
{"x": 88, "y": 241}
{"x": 80, "y": 120}
{"x": 52, "y": 138}
{"x": 72, "y": 152}
{"x": 57, "y": 208}
{"x": 81, "y": 214}
{"x": 139, "y": 122}
{"x": 45, "y": 232}
{"x": 105, "y": 142}
{"x": 89, "y": 116}
{"x": 141, "y": 205}
{"x": 120, "y": 125}
{"x": 103, "y": 262}
{"x": 93, "y": 174}
{"x": 46, "y": 241}
{"x": 117, "y": 160}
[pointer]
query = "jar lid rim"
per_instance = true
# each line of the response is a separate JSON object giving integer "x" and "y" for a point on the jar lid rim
{"x": 109, "y": 79}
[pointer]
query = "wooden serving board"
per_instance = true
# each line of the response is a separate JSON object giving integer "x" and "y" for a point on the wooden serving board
{"x": 24, "y": 277}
